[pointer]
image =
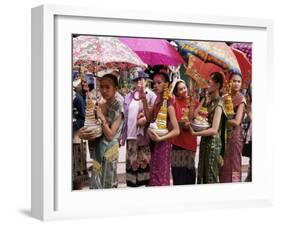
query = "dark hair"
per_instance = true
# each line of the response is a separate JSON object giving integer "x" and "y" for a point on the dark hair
{"x": 249, "y": 93}
{"x": 112, "y": 77}
{"x": 218, "y": 77}
{"x": 164, "y": 75}
{"x": 235, "y": 74}
{"x": 91, "y": 87}
{"x": 176, "y": 87}
{"x": 203, "y": 94}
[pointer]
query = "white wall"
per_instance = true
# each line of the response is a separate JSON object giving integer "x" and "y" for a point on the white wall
{"x": 15, "y": 111}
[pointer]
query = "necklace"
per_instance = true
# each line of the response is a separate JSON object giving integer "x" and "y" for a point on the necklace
{"x": 135, "y": 98}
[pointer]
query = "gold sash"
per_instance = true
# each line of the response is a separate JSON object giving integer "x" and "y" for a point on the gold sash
{"x": 112, "y": 153}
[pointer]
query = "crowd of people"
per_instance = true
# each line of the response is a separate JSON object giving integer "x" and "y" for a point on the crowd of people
{"x": 152, "y": 159}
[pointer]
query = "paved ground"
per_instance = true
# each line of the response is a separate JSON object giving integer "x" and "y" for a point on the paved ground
{"x": 121, "y": 168}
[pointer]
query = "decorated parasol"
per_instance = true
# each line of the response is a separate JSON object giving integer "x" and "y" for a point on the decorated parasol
{"x": 244, "y": 47}
{"x": 100, "y": 53}
{"x": 200, "y": 71}
{"x": 218, "y": 53}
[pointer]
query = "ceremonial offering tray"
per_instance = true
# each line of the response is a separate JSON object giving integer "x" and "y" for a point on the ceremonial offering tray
{"x": 199, "y": 127}
{"x": 160, "y": 132}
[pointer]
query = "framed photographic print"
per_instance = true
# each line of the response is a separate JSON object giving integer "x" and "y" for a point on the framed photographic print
{"x": 123, "y": 103}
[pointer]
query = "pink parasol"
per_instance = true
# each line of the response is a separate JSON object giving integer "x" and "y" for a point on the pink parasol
{"x": 154, "y": 51}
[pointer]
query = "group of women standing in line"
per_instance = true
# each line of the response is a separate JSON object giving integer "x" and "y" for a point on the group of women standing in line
{"x": 150, "y": 157}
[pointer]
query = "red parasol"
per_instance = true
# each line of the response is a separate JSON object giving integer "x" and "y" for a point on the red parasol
{"x": 245, "y": 67}
{"x": 200, "y": 71}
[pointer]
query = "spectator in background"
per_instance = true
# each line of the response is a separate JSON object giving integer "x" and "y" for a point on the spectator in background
{"x": 79, "y": 165}
{"x": 248, "y": 138}
{"x": 135, "y": 132}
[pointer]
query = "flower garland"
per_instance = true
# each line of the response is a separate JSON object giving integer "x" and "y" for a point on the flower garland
{"x": 166, "y": 91}
{"x": 135, "y": 98}
{"x": 228, "y": 104}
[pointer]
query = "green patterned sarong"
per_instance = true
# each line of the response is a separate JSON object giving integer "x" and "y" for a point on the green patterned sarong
{"x": 104, "y": 173}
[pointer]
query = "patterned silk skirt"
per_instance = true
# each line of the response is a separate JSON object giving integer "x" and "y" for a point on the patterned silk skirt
{"x": 209, "y": 158}
{"x": 231, "y": 170}
{"x": 137, "y": 164}
{"x": 104, "y": 173}
{"x": 160, "y": 164}
{"x": 183, "y": 166}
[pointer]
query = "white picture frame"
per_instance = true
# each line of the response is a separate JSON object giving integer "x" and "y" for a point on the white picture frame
{"x": 52, "y": 197}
